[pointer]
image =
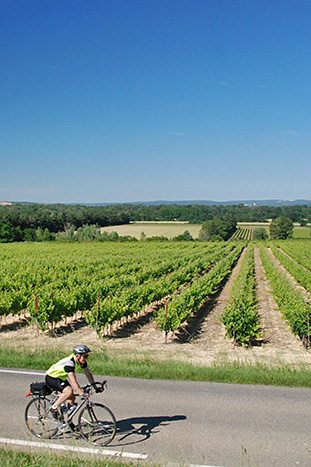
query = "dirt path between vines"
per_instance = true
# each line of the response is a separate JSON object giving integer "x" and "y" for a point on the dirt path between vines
{"x": 203, "y": 342}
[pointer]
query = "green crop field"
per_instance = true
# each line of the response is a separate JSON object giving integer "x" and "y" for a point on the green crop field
{"x": 108, "y": 281}
{"x": 245, "y": 229}
{"x": 302, "y": 232}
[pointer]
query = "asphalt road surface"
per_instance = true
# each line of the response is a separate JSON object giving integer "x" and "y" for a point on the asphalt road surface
{"x": 183, "y": 423}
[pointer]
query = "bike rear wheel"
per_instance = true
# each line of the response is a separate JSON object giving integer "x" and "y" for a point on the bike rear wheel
{"x": 39, "y": 419}
{"x": 97, "y": 424}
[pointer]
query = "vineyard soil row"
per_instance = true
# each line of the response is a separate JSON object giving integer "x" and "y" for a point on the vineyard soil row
{"x": 207, "y": 346}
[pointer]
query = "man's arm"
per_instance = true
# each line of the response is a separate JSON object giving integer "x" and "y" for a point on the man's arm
{"x": 74, "y": 383}
{"x": 89, "y": 375}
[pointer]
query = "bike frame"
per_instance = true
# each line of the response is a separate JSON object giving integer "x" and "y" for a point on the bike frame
{"x": 54, "y": 395}
{"x": 91, "y": 421}
{"x": 77, "y": 409}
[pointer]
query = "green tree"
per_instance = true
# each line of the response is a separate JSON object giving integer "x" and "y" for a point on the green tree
{"x": 68, "y": 235}
{"x": 188, "y": 236}
{"x": 6, "y": 233}
{"x": 110, "y": 237}
{"x": 220, "y": 228}
{"x": 281, "y": 228}
{"x": 44, "y": 235}
{"x": 185, "y": 237}
{"x": 213, "y": 230}
{"x": 18, "y": 234}
{"x": 260, "y": 233}
{"x": 29, "y": 235}
{"x": 88, "y": 233}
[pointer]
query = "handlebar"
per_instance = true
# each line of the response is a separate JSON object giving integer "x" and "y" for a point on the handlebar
{"x": 87, "y": 388}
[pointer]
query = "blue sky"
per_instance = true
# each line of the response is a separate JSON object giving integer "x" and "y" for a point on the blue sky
{"x": 142, "y": 100}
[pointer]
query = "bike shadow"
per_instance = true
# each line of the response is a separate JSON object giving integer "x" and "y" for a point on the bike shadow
{"x": 138, "y": 429}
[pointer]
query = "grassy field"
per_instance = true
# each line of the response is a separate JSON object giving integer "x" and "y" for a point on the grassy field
{"x": 173, "y": 229}
{"x": 154, "y": 229}
{"x": 302, "y": 232}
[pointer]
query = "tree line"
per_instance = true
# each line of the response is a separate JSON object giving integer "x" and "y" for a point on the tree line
{"x": 199, "y": 213}
{"x": 28, "y": 222}
{"x": 41, "y": 222}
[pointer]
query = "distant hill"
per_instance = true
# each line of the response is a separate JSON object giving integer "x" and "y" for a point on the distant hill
{"x": 250, "y": 202}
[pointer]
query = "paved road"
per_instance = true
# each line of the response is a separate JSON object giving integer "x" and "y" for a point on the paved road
{"x": 188, "y": 422}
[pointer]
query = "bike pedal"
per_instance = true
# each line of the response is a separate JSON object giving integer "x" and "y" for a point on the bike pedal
{"x": 63, "y": 428}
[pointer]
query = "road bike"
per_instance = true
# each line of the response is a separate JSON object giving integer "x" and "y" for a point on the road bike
{"x": 96, "y": 422}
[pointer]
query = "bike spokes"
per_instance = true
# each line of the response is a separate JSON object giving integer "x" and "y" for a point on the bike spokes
{"x": 39, "y": 419}
{"x": 97, "y": 424}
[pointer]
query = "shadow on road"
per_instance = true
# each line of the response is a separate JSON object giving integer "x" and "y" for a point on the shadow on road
{"x": 137, "y": 429}
{"x": 131, "y": 430}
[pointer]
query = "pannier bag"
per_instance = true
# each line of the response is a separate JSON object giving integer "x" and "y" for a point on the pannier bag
{"x": 40, "y": 389}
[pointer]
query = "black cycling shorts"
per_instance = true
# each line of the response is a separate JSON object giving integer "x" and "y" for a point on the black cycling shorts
{"x": 56, "y": 383}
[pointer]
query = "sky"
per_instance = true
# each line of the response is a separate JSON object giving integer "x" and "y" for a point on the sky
{"x": 106, "y": 101}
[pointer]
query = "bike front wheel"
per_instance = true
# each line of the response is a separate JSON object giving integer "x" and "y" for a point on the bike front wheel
{"x": 39, "y": 419}
{"x": 97, "y": 424}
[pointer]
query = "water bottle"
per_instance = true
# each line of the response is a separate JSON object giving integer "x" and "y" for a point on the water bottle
{"x": 63, "y": 408}
{"x": 71, "y": 409}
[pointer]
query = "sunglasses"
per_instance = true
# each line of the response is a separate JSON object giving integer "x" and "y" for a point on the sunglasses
{"x": 85, "y": 355}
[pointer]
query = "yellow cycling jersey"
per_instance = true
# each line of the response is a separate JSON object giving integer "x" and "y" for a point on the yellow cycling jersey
{"x": 64, "y": 366}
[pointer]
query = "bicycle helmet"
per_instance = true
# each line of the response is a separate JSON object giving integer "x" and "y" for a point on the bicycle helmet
{"x": 81, "y": 349}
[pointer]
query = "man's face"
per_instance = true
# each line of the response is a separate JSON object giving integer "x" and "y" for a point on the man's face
{"x": 82, "y": 358}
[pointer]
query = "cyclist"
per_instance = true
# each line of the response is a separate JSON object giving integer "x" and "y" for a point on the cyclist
{"x": 61, "y": 377}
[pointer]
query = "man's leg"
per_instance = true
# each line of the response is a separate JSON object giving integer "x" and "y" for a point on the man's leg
{"x": 67, "y": 394}
{"x": 64, "y": 388}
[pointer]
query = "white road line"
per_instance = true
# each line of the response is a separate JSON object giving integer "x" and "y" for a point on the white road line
{"x": 22, "y": 372}
{"x": 62, "y": 447}
{"x": 201, "y": 465}
{"x": 176, "y": 464}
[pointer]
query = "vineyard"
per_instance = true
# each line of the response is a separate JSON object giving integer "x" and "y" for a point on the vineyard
{"x": 241, "y": 316}
{"x": 109, "y": 283}
{"x": 115, "y": 283}
{"x": 243, "y": 233}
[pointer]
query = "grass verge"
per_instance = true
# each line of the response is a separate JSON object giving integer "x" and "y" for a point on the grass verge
{"x": 117, "y": 363}
{"x": 10, "y": 457}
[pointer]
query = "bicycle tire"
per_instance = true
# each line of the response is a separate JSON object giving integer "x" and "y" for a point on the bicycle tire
{"x": 39, "y": 419}
{"x": 97, "y": 424}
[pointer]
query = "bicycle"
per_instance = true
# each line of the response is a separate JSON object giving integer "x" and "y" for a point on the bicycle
{"x": 96, "y": 422}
